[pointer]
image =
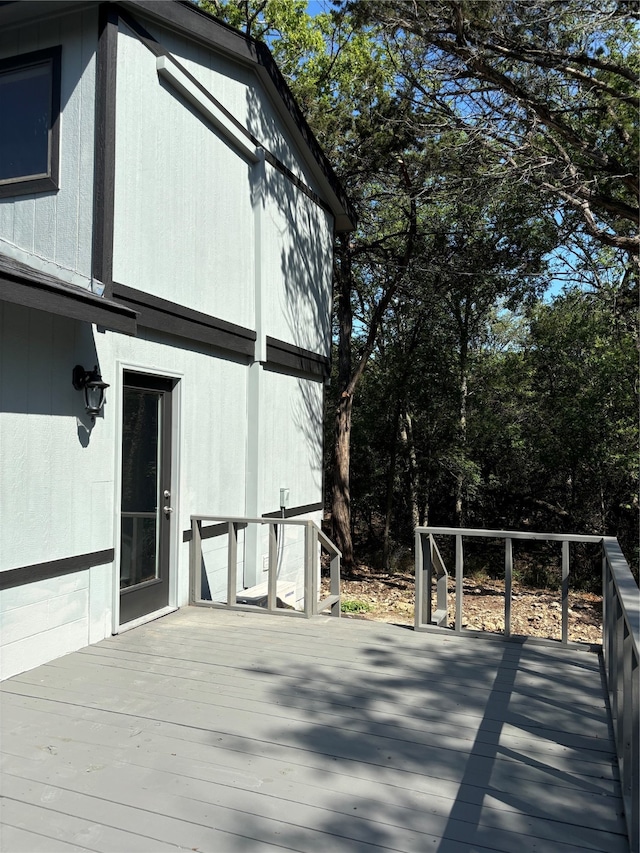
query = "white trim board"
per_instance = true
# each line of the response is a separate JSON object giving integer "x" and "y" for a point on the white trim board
{"x": 170, "y": 72}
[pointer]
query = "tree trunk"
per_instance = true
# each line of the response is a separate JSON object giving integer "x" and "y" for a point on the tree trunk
{"x": 341, "y": 496}
{"x": 462, "y": 427}
{"x": 349, "y": 375}
{"x": 462, "y": 422}
{"x": 340, "y": 492}
{"x": 391, "y": 477}
{"x": 406, "y": 434}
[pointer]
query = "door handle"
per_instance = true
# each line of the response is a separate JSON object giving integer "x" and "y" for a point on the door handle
{"x": 167, "y": 509}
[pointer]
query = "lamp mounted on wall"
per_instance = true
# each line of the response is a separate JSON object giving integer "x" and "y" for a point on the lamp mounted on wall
{"x": 90, "y": 381}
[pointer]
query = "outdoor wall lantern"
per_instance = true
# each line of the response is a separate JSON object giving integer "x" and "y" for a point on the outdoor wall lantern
{"x": 90, "y": 381}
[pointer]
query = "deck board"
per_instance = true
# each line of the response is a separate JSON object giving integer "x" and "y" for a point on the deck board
{"x": 232, "y": 732}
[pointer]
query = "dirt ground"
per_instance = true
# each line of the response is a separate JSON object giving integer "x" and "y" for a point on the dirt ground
{"x": 389, "y": 597}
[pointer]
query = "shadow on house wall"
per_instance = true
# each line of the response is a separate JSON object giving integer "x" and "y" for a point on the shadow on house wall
{"x": 38, "y": 352}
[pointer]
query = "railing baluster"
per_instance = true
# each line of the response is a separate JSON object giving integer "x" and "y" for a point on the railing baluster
{"x": 427, "y": 586}
{"x": 627, "y": 711}
{"x": 336, "y": 609}
{"x": 314, "y": 540}
{"x": 565, "y": 593}
{"x": 232, "y": 564}
{"x": 418, "y": 614}
{"x": 508, "y": 584}
{"x": 459, "y": 577}
{"x": 605, "y": 607}
{"x": 310, "y": 572}
{"x": 196, "y": 561}
{"x": 272, "y": 579}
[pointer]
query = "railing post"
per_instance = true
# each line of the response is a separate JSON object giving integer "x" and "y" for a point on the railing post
{"x": 565, "y": 593}
{"x": 605, "y": 606}
{"x": 336, "y": 609}
{"x": 195, "y": 553}
{"x": 508, "y": 584}
{"x": 232, "y": 564}
{"x": 310, "y": 572}
{"x": 459, "y": 577}
{"x": 418, "y": 616}
{"x": 634, "y": 760}
{"x": 272, "y": 579}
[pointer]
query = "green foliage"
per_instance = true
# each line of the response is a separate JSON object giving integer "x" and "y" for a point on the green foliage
{"x": 482, "y": 143}
{"x": 552, "y": 86}
{"x": 353, "y": 605}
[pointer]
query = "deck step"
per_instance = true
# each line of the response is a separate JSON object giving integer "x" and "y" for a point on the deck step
{"x": 327, "y": 602}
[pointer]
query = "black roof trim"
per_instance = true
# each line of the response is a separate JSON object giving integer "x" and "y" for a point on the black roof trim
{"x": 165, "y": 316}
{"x": 32, "y": 288}
{"x": 282, "y": 354}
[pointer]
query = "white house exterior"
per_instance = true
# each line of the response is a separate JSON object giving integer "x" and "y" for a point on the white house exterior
{"x": 169, "y": 218}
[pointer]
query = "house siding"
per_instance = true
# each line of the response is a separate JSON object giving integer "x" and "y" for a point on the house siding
{"x": 202, "y": 233}
{"x": 291, "y": 419}
{"x": 297, "y": 253}
{"x": 182, "y": 193}
{"x": 56, "y": 484}
{"x": 59, "y": 489}
{"x": 49, "y": 618}
{"x": 57, "y": 226}
{"x": 239, "y": 90}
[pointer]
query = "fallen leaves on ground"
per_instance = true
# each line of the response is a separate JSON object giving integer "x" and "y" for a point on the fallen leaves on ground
{"x": 390, "y": 597}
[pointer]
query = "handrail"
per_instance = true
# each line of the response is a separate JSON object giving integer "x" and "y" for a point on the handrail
{"x": 510, "y": 534}
{"x": 229, "y": 525}
{"x": 621, "y": 634}
{"x": 621, "y": 653}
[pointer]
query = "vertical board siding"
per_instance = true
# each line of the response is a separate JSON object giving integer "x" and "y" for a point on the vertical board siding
{"x": 58, "y": 491}
{"x": 183, "y": 207}
{"x": 239, "y": 90}
{"x": 291, "y": 420}
{"x": 51, "y": 504}
{"x": 297, "y": 252}
{"x": 57, "y": 226}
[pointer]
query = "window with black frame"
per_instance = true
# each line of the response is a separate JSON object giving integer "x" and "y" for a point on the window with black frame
{"x": 29, "y": 122}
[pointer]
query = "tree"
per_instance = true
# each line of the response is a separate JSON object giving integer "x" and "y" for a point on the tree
{"x": 344, "y": 82}
{"x": 473, "y": 138}
{"x": 552, "y": 83}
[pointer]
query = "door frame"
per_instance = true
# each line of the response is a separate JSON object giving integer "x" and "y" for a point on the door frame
{"x": 174, "y": 525}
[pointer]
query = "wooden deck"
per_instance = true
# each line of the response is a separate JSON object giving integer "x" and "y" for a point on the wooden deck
{"x": 216, "y": 731}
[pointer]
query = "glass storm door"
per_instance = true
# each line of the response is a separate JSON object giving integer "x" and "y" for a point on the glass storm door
{"x": 146, "y": 496}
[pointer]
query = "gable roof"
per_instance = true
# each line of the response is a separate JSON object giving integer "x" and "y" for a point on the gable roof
{"x": 187, "y": 19}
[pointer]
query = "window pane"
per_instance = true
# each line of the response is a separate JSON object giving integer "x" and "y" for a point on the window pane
{"x": 137, "y": 551}
{"x": 141, "y": 423}
{"x": 25, "y": 119}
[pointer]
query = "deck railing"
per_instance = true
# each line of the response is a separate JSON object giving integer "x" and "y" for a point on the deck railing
{"x": 314, "y": 540}
{"x": 621, "y": 651}
{"x": 620, "y": 641}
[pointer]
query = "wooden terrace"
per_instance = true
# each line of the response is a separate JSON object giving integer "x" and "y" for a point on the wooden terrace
{"x": 219, "y": 731}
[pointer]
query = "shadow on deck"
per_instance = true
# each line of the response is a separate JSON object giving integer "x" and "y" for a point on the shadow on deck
{"x": 226, "y": 731}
